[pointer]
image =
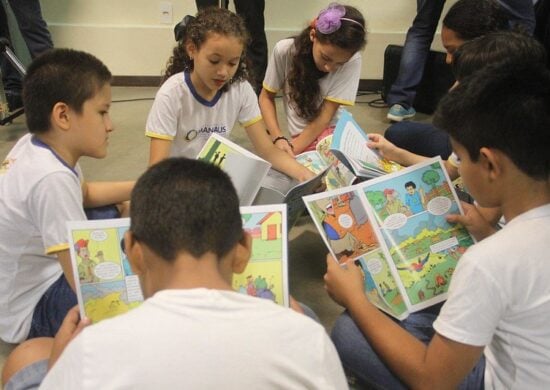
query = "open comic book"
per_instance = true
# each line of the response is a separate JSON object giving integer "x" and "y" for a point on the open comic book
{"x": 394, "y": 227}
{"x": 245, "y": 169}
{"x": 321, "y": 159}
{"x": 349, "y": 145}
{"x": 106, "y": 285}
{"x": 266, "y": 275}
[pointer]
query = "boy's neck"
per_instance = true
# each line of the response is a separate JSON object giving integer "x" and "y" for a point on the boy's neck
{"x": 59, "y": 148}
{"x": 187, "y": 272}
{"x": 525, "y": 194}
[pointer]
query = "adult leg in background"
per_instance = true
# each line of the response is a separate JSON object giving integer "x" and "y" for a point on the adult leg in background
{"x": 415, "y": 52}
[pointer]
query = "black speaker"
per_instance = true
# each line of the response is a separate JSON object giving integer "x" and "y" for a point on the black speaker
{"x": 436, "y": 81}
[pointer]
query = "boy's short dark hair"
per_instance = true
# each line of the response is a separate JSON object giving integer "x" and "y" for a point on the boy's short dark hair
{"x": 410, "y": 184}
{"x": 60, "y": 75}
{"x": 183, "y": 205}
{"x": 506, "y": 107}
{"x": 496, "y": 48}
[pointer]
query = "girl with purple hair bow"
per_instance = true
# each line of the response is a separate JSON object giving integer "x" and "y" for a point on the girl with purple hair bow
{"x": 317, "y": 71}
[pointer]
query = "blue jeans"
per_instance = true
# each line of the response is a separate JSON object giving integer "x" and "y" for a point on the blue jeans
{"x": 34, "y": 31}
{"x": 359, "y": 359}
{"x": 415, "y": 52}
{"x": 419, "y": 138}
{"x": 52, "y": 308}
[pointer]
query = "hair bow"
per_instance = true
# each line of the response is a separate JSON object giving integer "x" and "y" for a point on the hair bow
{"x": 330, "y": 19}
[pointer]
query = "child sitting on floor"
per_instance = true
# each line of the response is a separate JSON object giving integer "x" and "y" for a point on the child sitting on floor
{"x": 493, "y": 329}
{"x": 67, "y": 96}
{"x": 193, "y": 331}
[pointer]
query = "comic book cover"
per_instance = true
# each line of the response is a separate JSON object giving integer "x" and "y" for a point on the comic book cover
{"x": 399, "y": 221}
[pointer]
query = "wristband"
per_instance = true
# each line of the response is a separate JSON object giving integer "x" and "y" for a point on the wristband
{"x": 286, "y": 139}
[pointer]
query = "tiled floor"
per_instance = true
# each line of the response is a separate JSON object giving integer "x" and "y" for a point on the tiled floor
{"x": 127, "y": 159}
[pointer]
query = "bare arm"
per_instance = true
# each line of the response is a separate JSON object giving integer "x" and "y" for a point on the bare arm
{"x": 64, "y": 259}
{"x": 159, "y": 149}
{"x": 269, "y": 114}
{"x": 97, "y": 194}
{"x": 278, "y": 158}
{"x": 316, "y": 126}
{"x": 440, "y": 365}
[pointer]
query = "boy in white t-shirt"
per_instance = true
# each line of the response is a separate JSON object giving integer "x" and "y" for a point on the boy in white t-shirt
{"x": 194, "y": 331}
{"x": 67, "y": 96}
{"x": 495, "y": 320}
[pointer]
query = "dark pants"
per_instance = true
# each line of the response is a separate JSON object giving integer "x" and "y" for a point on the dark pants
{"x": 419, "y": 138}
{"x": 252, "y": 11}
{"x": 362, "y": 361}
{"x": 52, "y": 308}
{"x": 415, "y": 52}
{"x": 34, "y": 31}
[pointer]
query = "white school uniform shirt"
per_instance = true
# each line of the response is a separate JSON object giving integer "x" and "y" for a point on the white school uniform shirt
{"x": 39, "y": 193}
{"x": 180, "y": 115}
{"x": 339, "y": 86}
{"x": 499, "y": 297}
{"x": 201, "y": 339}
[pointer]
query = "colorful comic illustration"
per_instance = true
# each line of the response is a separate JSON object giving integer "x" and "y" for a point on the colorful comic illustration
{"x": 410, "y": 208}
{"x": 265, "y": 275}
{"x": 395, "y": 228}
{"x": 343, "y": 221}
{"x": 105, "y": 281}
{"x": 380, "y": 285}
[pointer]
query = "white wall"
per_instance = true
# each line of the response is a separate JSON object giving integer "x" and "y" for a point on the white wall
{"x": 130, "y": 38}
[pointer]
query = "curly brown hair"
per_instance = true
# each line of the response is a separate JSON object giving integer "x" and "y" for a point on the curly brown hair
{"x": 303, "y": 78}
{"x": 210, "y": 20}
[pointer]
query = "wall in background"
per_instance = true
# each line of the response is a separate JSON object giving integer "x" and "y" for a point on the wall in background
{"x": 133, "y": 39}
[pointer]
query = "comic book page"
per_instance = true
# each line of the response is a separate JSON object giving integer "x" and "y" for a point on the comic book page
{"x": 345, "y": 226}
{"x": 105, "y": 283}
{"x": 245, "y": 168}
{"x": 266, "y": 275}
{"x": 409, "y": 209}
{"x": 349, "y": 145}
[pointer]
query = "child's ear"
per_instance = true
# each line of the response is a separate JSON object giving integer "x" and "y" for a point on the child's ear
{"x": 312, "y": 34}
{"x": 242, "y": 253}
{"x": 134, "y": 253}
{"x": 191, "y": 49}
{"x": 492, "y": 163}
{"x": 60, "y": 116}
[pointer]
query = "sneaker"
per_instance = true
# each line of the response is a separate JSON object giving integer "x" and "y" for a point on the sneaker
{"x": 397, "y": 113}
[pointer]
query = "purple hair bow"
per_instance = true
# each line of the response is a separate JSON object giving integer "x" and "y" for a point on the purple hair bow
{"x": 329, "y": 19}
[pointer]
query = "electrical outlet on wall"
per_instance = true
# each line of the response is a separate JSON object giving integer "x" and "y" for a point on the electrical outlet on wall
{"x": 165, "y": 12}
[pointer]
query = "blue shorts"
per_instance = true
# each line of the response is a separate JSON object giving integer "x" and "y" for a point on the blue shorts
{"x": 29, "y": 377}
{"x": 52, "y": 308}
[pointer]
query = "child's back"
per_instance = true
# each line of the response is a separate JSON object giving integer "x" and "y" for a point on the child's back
{"x": 185, "y": 242}
{"x": 201, "y": 338}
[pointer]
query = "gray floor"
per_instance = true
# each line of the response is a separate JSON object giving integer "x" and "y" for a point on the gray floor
{"x": 127, "y": 159}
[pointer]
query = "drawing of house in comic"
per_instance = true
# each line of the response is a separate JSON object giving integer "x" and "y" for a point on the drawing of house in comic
{"x": 270, "y": 226}
{"x": 263, "y": 276}
{"x": 345, "y": 224}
